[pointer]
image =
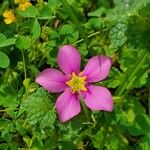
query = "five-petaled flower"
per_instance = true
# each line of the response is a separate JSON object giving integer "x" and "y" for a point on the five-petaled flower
{"x": 76, "y": 84}
{"x": 9, "y": 16}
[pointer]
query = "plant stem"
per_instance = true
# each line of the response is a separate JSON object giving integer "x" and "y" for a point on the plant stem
{"x": 75, "y": 20}
{"x": 131, "y": 72}
{"x": 85, "y": 109}
{"x": 3, "y": 110}
{"x": 89, "y": 36}
{"x": 149, "y": 102}
{"x": 24, "y": 64}
{"x": 55, "y": 135}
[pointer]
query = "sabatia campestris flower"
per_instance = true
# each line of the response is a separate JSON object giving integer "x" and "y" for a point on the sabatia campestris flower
{"x": 76, "y": 84}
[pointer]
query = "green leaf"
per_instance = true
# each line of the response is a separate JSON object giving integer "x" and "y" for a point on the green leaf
{"x": 67, "y": 145}
{"x": 125, "y": 9}
{"x": 144, "y": 122}
{"x": 53, "y": 4}
{"x": 114, "y": 78}
{"x": 117, "y": 141}
{"x": 9, "y": 101}
{"x": 135, "y": 14}
{"x": 39, "y": 109}
{"x": 98, "y": 12}
{"x": 144, "y": 143}
{"x": 4, "y": 146}
{"x": 23, "y": 43}
{"x": 140, "y": 79}
{"x": 8, "y": 42}
{"x": 20, "y": 127}
{"x": 99, "y": 139}
{"x": 4, "y": 123}
{"x": 69, "y": 33}
{"x": 36, "y": 30}
{"x": 95, "y": 22}
{"x": 30, "y": 12}
{"x": 113, "y": 117}
{"x": 28, "y": 141}
{"x": 2, "y": 38}
{"x": 117, "y": 35}
{"x": 128, "y": 56}
{"x": 66, "y": 29}
{"x": 9, "y": 128}
{"x": 46, "y": 13}
{"x": 131, "y": 73}
{"x": 4, "y": 60}
{"x": 129, "y": 119}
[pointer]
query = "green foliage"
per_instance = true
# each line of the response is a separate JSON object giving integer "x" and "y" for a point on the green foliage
{"x": 36, "y": 30}
{"x": 144, "y": 143}
{"x": 30, "y": 12}
{"x": 45, "y": 13}
{"x": 23, "y": 43}
{"x": 4, "y": 63}
{"x": 118, "y": 35}
{"x": 39, "y": 109}
{"x": 69, "y": 33}
{"x": 99, "y": 139}
{"x": 119, "y": 29}
{"x": 6, "y": 42}
{"x": 97, "y": 21}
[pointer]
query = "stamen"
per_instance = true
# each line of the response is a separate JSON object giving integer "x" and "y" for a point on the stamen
{"x": 77, "y": 83}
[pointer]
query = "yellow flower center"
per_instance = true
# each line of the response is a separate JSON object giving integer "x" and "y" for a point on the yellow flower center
{"x": 77, "y": 83}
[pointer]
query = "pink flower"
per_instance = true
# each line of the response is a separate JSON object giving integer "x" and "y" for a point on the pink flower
{"x": 76, "y": 84}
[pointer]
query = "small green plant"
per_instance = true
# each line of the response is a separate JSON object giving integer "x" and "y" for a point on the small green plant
{"x": 31, "y": 34}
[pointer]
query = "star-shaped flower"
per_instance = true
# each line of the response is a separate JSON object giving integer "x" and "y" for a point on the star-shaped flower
{"x": 76, "y": 84}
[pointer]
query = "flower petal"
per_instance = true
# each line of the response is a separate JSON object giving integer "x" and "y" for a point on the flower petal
{"x": 52, "y": 80}
{"x": 98, "y": 98}
{"x": 97, "y": 68}
{"x": 69, "y": 59}
{"x": 67, "y": 105}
